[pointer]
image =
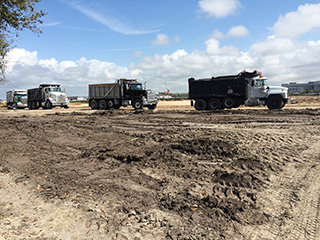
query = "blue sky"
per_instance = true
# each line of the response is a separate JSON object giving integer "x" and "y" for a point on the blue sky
{"x": 165, "y": 42}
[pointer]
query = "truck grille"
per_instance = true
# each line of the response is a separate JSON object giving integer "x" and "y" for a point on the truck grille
{"x": 151, "y": 96}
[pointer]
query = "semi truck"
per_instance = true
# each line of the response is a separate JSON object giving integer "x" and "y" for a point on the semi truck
{"x": 124, "y": 92}
{"x": 47, "y": 96}
{"x": 16, "y": 99}
{"x": 246, "y": 88}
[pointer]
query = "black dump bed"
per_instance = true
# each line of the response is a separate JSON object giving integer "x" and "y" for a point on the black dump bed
{"x": 34, "y": 94}
{"x": 233, "y": 85}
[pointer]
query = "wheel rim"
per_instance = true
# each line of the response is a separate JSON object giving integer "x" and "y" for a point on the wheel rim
{"x": 110, "y": 104}
{"x": 229, "y": 102}
{"x": 102, "y": 104}
{"x": 200, "y": 104}
{"x": 214, "y": 104}
{"x": 93, "y": 104}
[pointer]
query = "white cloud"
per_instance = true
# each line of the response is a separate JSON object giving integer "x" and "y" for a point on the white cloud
{"x": 294, "y": 24}
{"x": 219, "y": 8}
{"x": 162, "y": 39}
{"x": 274, "y": 46}
{"x": 213, "y": 48}
{"x": 238, "y": 31}
{"x": 280, "y": 59}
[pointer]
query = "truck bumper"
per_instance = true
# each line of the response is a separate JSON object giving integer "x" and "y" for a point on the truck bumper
{"x": 148, "y": 103}
{"x": 60, "y": 104}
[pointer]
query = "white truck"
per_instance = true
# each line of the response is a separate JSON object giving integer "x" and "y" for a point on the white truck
{"x": 47, "y": 96}
{"x": 17, "y": 99}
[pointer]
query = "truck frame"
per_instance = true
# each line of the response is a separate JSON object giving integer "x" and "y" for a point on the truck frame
{"x": 246, "y": 88}
{"x": 123, "y": 92}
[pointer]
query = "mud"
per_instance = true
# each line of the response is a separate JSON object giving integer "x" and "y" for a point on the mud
{"x": 166, "y": 174}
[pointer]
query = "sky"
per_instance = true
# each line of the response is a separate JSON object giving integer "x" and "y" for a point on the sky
{"x": 164, "y": 42}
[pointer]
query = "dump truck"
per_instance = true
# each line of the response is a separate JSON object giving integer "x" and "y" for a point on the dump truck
{"x": 124, "y": 92}
{"x": 47, "y": 96}
{"x": 246, "y": 88}
{"x": 16, "y": 99}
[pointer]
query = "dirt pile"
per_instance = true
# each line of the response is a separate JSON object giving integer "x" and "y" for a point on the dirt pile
{"x": 158, "y": 175}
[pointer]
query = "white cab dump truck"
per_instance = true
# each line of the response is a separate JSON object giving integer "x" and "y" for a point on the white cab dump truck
{"x": 47, "y": 96}
{"x": 246, "y": 88}
{"x": 17, "y": 99}
{"x": 123, "y": 92}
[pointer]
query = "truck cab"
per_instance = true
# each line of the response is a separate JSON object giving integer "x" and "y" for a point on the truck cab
{"x": 54, "y": 95}
{"x": 135, "y": 94}
{"x": 259, "y": 93}
{"x": 17, "y": 99}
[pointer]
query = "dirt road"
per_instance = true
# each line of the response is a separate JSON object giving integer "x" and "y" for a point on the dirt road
{"x": 165, "y": 174}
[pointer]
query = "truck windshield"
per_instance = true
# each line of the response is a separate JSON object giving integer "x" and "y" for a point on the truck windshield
{"x": 56, "y": 89}
{"x": 20, "y": 94}
{"x": 135, "y": 86}
{"x": 259, "y": 82}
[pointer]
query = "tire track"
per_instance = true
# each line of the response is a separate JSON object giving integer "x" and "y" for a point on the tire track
{"x": 293, "y": 202}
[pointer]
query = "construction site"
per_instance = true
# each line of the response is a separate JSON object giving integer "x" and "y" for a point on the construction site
{"x": 168, "y": 173}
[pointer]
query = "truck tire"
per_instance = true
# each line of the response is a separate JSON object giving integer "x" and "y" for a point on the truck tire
{"x": 102, "y": 104}
{"x": 34, "y": 105}
{"x": 110, "y": 104}
{"x": 152, "y": 107}
{"x": 229, "y": 102}
{"x": 93, "y": 104}
{"x": 137, "y": 104}
{"x": 275, "y": 102}
{"x": 200, "y": 105}
{"x": 214, "y": 104}
{"x": 29, "y": 105}
{"x": 48, "y": 105}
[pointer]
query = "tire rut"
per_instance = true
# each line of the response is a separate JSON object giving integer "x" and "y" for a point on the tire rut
{"x": 294, "y": 203}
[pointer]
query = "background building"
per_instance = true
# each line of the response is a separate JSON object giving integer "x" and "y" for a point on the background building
{"x": 312, "y": 88}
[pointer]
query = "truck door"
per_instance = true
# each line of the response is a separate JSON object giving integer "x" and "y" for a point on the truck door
{"x": 257, "y": 88}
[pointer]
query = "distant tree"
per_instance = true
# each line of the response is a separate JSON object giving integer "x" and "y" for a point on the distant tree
{"x": 15, "y": 16}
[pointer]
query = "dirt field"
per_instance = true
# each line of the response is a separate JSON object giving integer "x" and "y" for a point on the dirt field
{"x": 172, "y": 173}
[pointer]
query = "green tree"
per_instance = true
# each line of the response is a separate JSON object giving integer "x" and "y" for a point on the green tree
{"x": 15, "y": 16}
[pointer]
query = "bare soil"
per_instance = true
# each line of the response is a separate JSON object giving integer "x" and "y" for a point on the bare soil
{"x": 172, "y": 173}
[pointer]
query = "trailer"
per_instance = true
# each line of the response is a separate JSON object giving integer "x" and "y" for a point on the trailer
{"x": 246, "y": 88}
{"x": 123, "y": 92}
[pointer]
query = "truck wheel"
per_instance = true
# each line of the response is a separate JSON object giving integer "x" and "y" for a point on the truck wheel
{"x": 93, "y": 104}
{"x": 48, "y": 105}
{"x": 29, "y": 105}
{"x": 110, "y": 104}
{"x": 34, "y": 105}
{"x": 214, "y": 104}
{"x": 200, "y": 105}
{"x": 275, "y": 102}
{"x": 229, "y": 102}
{"x": 137, "y": 104}
{"x": 102, "y": 104}
{"x": 152, "y": 107}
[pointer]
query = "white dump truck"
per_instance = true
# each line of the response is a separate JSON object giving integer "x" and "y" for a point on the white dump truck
{"x": 17, "y": 99}
{"x": 47, "y": 96}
